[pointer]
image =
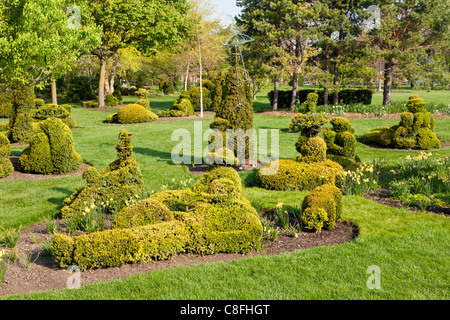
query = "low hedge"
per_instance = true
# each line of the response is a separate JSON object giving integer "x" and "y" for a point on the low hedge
{"x": 292, "y": 174}
{"x": 346, "y": 96}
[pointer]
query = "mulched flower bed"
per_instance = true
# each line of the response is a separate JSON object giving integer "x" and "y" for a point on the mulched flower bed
{"x": 45, "y": 274}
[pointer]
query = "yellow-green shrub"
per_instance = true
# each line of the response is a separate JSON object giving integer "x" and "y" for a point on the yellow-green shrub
{"x": 135, "y": 113}
{"x": 341, "y": 144}
{"x": 322, "y": 207}
{"x": 290, "y": 174}
{"x": 6, "y": 167}
{"x": 51, "y": 150}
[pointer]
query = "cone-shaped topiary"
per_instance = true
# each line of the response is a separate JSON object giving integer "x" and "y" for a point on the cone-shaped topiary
{"x": 415, "y": 130}
{"x": 6, "y": 167}
{"x": 51, "y": 150}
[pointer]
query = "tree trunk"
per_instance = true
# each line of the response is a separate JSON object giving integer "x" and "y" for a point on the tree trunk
{"x": 276, "y": 85}
{"x": 327, "y": 71}
{"x": 294, "y": 91}
{"x": 187, "y": 77}
{"x": 54, "y": 94}
{"x": 101, "y": 84}
{"x": 388, "y": 74}
{"x": 379, "y": 75}
{"x": 113, "y": 73}
{"x": 336, "y": 83}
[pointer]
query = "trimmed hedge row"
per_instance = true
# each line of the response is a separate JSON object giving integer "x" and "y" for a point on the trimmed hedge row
{"x": 346, "y": 96}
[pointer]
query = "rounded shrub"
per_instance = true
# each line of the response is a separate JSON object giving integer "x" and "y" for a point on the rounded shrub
{"x": 111, "y": 100}
{"x": 144, "y": 102}
{"x": 314, "y": 149}
{"x": 322, "y": 207}
{"x": 135, "y": 113}
{"x": 144, "y": 212}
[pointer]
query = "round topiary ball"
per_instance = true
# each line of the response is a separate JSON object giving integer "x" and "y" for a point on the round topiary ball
{"x": 313, "y": 150}
{"x": 135, "y": 113}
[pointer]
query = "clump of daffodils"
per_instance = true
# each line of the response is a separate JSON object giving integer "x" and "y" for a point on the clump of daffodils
{"x": 363, "y": 179}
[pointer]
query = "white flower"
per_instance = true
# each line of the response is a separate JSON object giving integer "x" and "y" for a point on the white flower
{"x": 2, "y": 253}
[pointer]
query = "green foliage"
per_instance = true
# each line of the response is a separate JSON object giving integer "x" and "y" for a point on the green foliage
{"x": 341, "y": 144}
{"x": 237, "y": 103}
{"x": 118, "y": 94}
{"x": 111, "y": 100}
{"x": 168, "y": 87}
{"x": 90, "y": 104}
{"x": 144, "y": 102}
{"x": 182, "y": 107}
{"x": 141, "y": 93}
{"x": 290, "y": 174}
{"x": 133, "y": 113}
{"x": 6, "y": 102}
{"x": 51, "y": 150}
{"x": 80, "y": 88}
{"x": 194, "y": 94}
{"x": 39, "y": 103}
{"x": 322, "y": 207}
{"x": 311, "y": 102}
{"x": 20, "y": 128}
{"x": 6, "y": 167}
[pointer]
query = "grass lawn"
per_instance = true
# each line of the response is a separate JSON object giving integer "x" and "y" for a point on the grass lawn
{"x": 410, "y": 248}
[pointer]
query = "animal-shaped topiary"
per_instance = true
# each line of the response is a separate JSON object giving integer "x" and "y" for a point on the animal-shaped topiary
{"x": 415, "y": 130}
{"x": 54, "y": 111}
{"x": 209, "y": 218}
{"x": 51, "y": 150}
{"x": 182, "y": 107}
{"x": 322, "y": 207}
{"x": 6, "y": 167}
{"x": 112, "y": 187}
{"x": 341, "y": 144}
{"x": 312, "y": 147}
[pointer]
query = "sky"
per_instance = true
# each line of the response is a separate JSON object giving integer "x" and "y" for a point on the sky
{"x": 225, "y": 10}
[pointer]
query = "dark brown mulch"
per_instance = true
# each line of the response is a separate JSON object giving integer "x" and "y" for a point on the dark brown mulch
{"x": 45, "y": 274}
{"x": 16, "y": 175}
{"x": 383, "y": 196}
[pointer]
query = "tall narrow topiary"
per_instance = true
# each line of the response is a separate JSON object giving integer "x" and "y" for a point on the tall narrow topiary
{"x": 51, "y": 150}
{"x": 20, "y": 127}
{"x": 6, "y": 167}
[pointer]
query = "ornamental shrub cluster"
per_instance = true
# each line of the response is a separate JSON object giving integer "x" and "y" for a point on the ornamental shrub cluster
{"x": 51, "y": 150}
{"x": 341, "y": 142}
{"x": 322, "y": 207}
{"x": 208, "y": 218}
{"x": 182, "y": 107}
{"x": 415, "y": 130}
{"x": 80, "y": 88}
{"x": 132, "y": 113}
{"x": 6, "y": 103}
{"x": 6, "y": 167}
{"x": 111, "y": 187}
{"x": 111, "y": 100}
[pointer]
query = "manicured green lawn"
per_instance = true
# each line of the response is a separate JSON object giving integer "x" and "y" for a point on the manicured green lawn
{"x": 411, "y": 248}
